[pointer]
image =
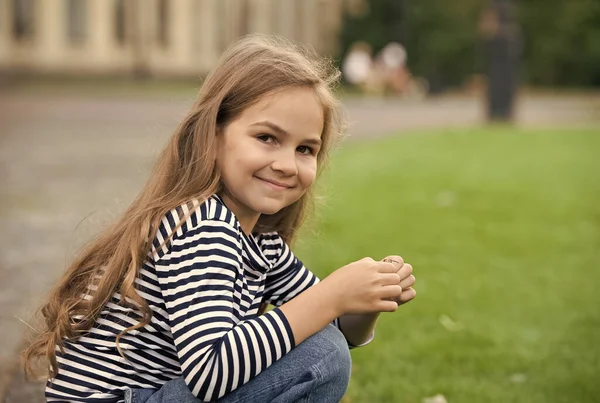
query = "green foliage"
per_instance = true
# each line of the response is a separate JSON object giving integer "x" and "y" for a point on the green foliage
{"x": 502, "y": 227}
{"x": 442, "y": 39}
{"x": 560, "y": 40}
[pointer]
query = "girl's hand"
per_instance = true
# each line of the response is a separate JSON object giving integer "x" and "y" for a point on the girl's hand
{"x": 365, "y": 286}
{"x": 407, "y": 279}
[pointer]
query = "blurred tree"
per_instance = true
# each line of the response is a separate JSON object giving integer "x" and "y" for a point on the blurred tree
{"x": 561, "y": 41}
{"x": 443, "y": 43}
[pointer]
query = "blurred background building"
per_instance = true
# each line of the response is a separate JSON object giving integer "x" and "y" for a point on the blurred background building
{"x": 150, "y": 37}
{"x": 551, "y": 43}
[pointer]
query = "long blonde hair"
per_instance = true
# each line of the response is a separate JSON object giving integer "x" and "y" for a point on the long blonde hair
{"x": 186, "y": 169}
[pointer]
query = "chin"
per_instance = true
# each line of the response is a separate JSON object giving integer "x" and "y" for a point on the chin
{"x": 270, "y": 210}
{"x": 270, "y": 207}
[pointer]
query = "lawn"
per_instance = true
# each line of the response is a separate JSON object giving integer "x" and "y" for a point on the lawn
{"x": 502, "y": 226}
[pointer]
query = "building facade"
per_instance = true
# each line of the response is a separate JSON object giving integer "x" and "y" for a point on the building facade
{"x": 150, "y": 37}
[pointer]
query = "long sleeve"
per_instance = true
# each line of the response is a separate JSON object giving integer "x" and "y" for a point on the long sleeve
{"x": 289, "y": 277}
{"x": 202, "y": 283}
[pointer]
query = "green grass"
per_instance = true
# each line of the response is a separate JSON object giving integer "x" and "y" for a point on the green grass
{"x": 502, "y": 227}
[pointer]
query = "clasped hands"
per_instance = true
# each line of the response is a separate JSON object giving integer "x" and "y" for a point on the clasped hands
{"x": 369, "y": 286}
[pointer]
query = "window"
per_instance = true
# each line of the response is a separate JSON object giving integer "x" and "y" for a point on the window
{"x": 23, "y": 19}
{"x": 76, "y": 18}
{"x": 275, "y": 11}
{"x": 119, "y": 18}
{"x": 300, "y": 13}
{"x": 163, "y": 23}
{"x": 222, "y": 15}
{"x": 244, "y": 17}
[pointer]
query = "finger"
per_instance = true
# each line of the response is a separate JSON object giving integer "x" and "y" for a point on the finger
{"x": 386, "y": 306}
{"x": 384, "y": 267}
{"x": 394, "y": 262}
{"x": 390, "y": 292}
{"x": 405, "y": 271}
{"x": 389, "y": 279}
{"x": 408, "y": 295}
{"x": 407, "y": 282}
{"x": 394, "y": 259}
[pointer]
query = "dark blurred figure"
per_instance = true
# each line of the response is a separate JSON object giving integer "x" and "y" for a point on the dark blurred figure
{"x": 502, "y": 47}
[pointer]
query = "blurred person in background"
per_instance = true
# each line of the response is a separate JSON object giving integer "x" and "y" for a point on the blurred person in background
{"x": 392, "y": 60}
{"x": 386, "y": 74}
{"x": 358, "y": 64}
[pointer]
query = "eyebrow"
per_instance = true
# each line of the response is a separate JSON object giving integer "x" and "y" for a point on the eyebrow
{"x": 280, "y": 131}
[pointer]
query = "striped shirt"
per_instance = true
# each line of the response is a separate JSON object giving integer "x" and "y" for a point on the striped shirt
{"x": 204, "y": 287}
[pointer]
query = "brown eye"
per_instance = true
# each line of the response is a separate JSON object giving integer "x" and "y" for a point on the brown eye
{"x": 266, "y": 138}
{"x": 306, "y": 150}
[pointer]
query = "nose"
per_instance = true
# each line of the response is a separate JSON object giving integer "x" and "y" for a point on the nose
{"x": 285, "y": 162}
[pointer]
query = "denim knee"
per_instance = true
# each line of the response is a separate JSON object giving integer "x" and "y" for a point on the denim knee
{"x": 335, "y": 363}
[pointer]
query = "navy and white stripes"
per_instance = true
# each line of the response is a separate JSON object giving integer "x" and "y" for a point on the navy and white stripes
{"x": 204, "y": 282}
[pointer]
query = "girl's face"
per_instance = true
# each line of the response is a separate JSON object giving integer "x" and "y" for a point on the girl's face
{"x": 268, "y": 155}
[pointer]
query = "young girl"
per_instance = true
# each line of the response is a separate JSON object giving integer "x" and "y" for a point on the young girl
{"x": 166, "y": 305}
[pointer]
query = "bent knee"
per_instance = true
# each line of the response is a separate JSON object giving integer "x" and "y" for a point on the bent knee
{"x": 334, "y": 360}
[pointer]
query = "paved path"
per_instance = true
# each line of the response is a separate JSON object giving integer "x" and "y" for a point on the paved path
{"x": 66, "y": 158}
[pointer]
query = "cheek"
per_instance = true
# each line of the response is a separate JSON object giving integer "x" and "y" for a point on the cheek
{"x": 308, "y": 172}
{"x": 240, "y": 157}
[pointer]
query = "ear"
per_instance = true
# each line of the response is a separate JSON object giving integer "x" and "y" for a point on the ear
{"x": 219, "y": 138}
{"x": 219, "y": 133}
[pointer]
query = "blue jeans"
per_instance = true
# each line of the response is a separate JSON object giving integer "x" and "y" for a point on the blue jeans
{"x": 317, "y": 370}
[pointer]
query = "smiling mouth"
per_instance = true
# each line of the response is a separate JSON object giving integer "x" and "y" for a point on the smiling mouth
{"x": 277, "y": 185}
